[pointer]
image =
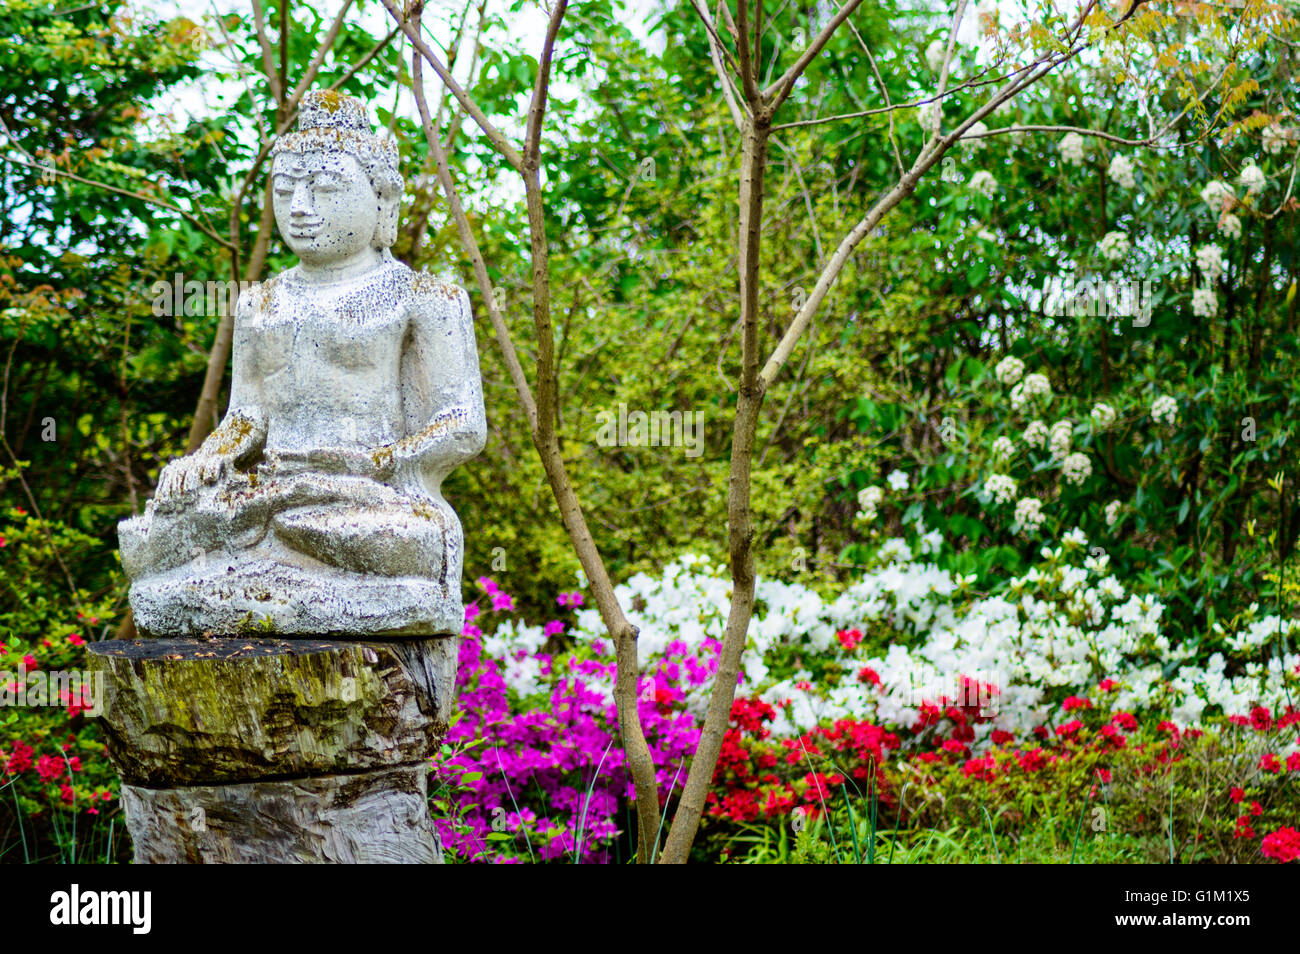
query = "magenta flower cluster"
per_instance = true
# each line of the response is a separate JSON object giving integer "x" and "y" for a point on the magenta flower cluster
{"x": 542, "y": 774}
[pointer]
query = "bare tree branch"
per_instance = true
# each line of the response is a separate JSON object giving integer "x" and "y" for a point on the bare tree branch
{"x": 495, "y": 136}
{"x": 779, "y": 90}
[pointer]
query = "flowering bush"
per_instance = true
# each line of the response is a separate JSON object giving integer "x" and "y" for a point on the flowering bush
{"x": 55, "y": 778}
{"x": 1065, "y": 666}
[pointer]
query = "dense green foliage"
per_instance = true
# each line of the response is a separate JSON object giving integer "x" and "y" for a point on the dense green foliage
{"x": 640, "y": 165}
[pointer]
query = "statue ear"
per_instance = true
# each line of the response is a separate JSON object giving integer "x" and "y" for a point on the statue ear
{"x": 386, "y": 228}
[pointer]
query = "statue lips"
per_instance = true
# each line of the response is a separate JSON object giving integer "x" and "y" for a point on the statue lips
{"x": 306, "y": 230}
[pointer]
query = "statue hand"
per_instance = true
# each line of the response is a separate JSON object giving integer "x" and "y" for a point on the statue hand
{"x": 184, "y": 475}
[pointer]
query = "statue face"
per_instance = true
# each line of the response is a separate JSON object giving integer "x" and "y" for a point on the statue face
{"x": 324, "y": 205}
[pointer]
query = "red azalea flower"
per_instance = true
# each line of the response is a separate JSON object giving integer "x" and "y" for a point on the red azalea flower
{"x": 1243, "y": 829}
{"x": 1237, "y": 794}
{"x": 20, "y": 759}
{"x": 1282, "y": 845}
{"x": 956, "y": 748}
{"x": 1125, "y": 720}
{"x": 49, "y": 768}
{"x": 76, "y": 640}
{"x": 849, "y": 638}
{"x": 1261, "y": 719}
{"x": 1107, "y": 685}
{"x": 1070, "y": 728}
{"x": 1076, "y": 702}
{"x": 1001, "y": 737}
{"x": 1104, "y": 775}
{"x": 1270, "y": 763}
{"x": 869, "y": 676}
{"x": 1032, "y": 761}
{"x": 1256, "y": 809}
{"x": 1293, "y": 762}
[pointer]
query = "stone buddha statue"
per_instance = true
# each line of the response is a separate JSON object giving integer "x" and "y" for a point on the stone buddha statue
{"x": 315, "y": 507}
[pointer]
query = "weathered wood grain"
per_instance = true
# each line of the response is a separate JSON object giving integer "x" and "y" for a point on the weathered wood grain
{"x": 367, "y": 818}
{"x": 189, "y": 712}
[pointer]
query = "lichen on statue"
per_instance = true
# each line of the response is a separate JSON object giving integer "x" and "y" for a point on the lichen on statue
{"x": 315, "y": 506}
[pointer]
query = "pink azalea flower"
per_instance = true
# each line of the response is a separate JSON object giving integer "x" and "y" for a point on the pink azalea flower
{"x": 502, "y": 601}
{"x": 487, "y": 584}
{"x": 471, "y": 611}
{"x": 554, "y": 628}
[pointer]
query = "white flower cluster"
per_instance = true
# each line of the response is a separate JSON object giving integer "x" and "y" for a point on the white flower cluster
{"x": 1275, "y": 139}
{"x": 1072, "y": 148}
{"x": 1001, "y": 487}
{"x": 1114, "y": 246}
{"x": 1058, "y": 629}
{"x": 1121, "y": 171}
{"x": 934, "y": 54}
{"x": 1103, "y": 416}
{"x": 973, "y": 137}
{"x": 1009, "y": 370}
{"x": 1230, "y": 225}
{"x": 1111, "y": 512}
{"x": 1205, "y": 302}
{"x": 869, "y": 499}
{"x": 1036, "y": 434}
{"x": 1252, "y": 178}
{"x": 1077, "y": 467}
{"x": 1209, "y": 259}
{"x": 929, "y": 116}
{"x": 1032, "y": 387}
{"x": 897, "y": 480}
{"x": 1059, "y": 439}
{"x": 1164, "y": 410}
{"x": 1218, "y": 195}
{"x": 1003, "y": 448}
{"x": 983, "y": 183}
{"x": 1029, "y": 513}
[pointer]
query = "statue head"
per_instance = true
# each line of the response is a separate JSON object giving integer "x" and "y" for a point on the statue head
{"x": 335, "y": 184}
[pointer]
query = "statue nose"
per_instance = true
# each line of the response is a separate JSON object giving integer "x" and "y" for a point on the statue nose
{"x": 302, "y": 204}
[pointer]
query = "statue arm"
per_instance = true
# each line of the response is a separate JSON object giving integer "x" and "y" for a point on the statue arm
{"x": 442, "y": 389}
{"x": 241, "y": 433}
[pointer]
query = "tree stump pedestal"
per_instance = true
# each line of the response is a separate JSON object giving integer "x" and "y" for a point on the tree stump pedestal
{"x": 277, "y": 750}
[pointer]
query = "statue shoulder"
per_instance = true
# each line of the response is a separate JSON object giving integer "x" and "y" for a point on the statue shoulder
{"x": 434, "y": 296}
{"x": 256, "y": 297}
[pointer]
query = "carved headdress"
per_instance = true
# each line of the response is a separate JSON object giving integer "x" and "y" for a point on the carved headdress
{"x": 332, "y": 120}
{"x": 328, "y": 121}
